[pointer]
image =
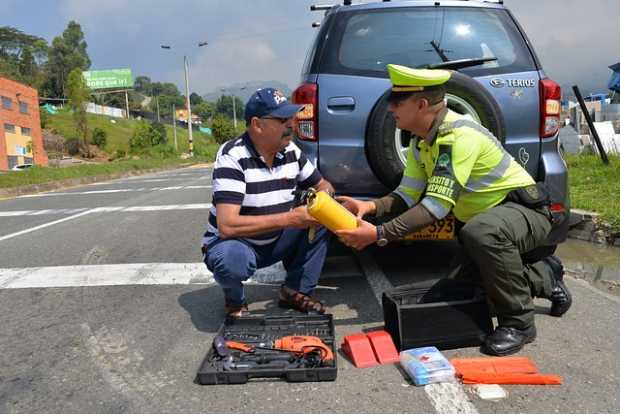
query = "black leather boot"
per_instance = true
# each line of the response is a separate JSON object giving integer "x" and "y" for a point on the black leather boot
{"x": 560, "y": 298}
{"x": 507, "y": 341}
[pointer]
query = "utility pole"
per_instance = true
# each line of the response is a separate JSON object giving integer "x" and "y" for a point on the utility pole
{"x": 127, "y": 103}
{"x": 157, "y": 102}
{"x": 174, "y": 126}
{"x": 234, "y": 113}
{"x": 189, "y": 109}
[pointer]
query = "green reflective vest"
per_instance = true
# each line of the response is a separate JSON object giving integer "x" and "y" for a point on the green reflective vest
{"x": 465, "y": 169}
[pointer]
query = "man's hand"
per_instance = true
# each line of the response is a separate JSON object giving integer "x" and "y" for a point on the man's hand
{"x": 362, "y": 236}
{"x": 299, "y": 218}
{"x": 358, "y": 207}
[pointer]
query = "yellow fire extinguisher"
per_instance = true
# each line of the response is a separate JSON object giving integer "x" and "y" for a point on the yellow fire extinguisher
{"x": 329, "y": 212}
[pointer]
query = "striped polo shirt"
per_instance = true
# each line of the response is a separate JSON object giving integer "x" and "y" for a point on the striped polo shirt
{"x": 241, "y": 176}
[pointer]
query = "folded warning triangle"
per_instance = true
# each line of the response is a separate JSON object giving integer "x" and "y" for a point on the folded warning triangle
{"x": 501, "y": 370}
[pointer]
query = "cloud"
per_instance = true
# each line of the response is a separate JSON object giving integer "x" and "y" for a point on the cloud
{"x": 235, "y": 61}
{"x": 575, "y": 40}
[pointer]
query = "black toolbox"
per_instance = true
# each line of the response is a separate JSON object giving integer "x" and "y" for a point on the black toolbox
{"x": 254, "y": 330}
{"x": 450, "y": 314}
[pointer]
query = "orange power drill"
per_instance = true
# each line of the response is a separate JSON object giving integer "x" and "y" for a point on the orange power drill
{"x": 295, "y": 344}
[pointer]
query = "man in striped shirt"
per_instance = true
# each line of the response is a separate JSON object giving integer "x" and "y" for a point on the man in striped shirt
{"x": 253, "y": 222}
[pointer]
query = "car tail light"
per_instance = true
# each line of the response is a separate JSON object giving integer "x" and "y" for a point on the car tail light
{"x": 308, "y": 118}
{"x": 550, "y": 95}
{"x": 557, "y": 208}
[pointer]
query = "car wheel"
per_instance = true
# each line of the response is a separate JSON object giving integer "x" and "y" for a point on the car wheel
{"x": 386, "y": 145}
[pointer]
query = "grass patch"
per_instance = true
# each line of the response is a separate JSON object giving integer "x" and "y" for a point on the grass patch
{"x": 118, "y": 134}
{"x": 595, "y": 186}
{"x": 39, "y": 175}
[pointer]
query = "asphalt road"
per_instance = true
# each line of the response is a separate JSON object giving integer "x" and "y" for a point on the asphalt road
{"x": 106, "y": 308}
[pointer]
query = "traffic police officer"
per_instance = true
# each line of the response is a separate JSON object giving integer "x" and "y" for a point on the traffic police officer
{"x": 456, "y": 165}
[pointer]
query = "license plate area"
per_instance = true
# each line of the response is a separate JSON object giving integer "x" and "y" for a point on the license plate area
{"x": 440, "y": 230}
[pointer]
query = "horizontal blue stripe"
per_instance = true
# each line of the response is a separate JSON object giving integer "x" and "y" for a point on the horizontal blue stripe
{"x": 289, "y": 158}
{"x": 261, "y": 211}
{"x": 261, "y": 187}
{"x": 313, "y": 180}
{"x": 229, "y": 173}
{"x": 227, "y": 197}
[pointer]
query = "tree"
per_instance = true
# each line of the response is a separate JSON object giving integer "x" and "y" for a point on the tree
{"x": 195, "y": 99}
{"x": 143, "y": 85}
{"x": 224, "y": 106}
{"x": 165, "y": 104}
{"x": 204, "y": 110}
{"x": 21, "y": 56}
{"x": 68, "y": 52}
{"x": 78, "y": 94}
{"x": 166, "y": 88}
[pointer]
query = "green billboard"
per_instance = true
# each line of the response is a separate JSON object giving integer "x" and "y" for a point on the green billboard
{"x": 109, "y": 79}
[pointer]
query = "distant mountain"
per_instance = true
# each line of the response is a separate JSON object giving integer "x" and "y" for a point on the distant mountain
{"x": 249, "y": 89}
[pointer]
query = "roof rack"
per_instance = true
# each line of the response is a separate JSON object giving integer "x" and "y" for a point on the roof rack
{"x": 319, "y": 7}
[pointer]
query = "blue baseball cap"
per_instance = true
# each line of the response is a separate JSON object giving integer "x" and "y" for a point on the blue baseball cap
{"x": 270, "y": 102}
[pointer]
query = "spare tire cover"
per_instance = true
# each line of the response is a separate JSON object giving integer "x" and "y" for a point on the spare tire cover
{"x": 381, "y": 140}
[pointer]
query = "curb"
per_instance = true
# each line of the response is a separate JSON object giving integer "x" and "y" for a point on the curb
{"x": 588, "y": 226}
{"x": 74, "y": 182}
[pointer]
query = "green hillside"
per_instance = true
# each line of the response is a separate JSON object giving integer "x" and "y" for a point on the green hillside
{"x": 120, "y": 130}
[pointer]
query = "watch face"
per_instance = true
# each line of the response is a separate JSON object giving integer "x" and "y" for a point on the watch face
{"x": 382, "y": 242}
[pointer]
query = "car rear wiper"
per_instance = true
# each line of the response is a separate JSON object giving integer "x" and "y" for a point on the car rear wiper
{"x": 459, "y": 63}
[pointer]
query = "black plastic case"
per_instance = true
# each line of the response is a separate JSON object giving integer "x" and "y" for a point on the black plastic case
{"x": 254, "y": 330}
{"x": 450, "y": 314}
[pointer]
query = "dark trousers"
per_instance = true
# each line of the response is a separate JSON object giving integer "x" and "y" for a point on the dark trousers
{"x": 493, "y": 243}
{"x": 234, "y": 261}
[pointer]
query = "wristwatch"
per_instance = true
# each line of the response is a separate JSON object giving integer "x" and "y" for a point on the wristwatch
{"x": 381, "y": 240}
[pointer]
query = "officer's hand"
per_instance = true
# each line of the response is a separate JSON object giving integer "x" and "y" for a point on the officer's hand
{"x": 299, "y": 218}
{"x": 359, "y": 238}
{"x": 358, "y": 207}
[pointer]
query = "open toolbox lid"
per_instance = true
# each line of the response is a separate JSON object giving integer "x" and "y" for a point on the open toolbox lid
{"x": 253, "y": 330}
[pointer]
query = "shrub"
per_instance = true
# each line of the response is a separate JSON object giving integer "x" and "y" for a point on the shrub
{"x": 141, "y": 137}
{"x": 223, "y": 129}
{"x": 158, "y": 133}
{"x": 72, "y": 146}
{"x": 147, "y": 135}
{"x": 99, "y": 137}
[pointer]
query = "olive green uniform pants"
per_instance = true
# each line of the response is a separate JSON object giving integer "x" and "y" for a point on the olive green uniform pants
{"x": 493, "y": 243}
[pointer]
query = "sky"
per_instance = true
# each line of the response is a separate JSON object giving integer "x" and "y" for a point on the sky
{"x": 248, "y": 40}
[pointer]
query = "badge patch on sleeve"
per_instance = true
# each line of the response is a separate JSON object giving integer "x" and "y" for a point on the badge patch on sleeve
{"x": 442, "y": 184}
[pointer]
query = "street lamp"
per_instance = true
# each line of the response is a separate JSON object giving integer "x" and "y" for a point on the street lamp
{"x": 189, "y": 108}
{"x": 234, "y": 108}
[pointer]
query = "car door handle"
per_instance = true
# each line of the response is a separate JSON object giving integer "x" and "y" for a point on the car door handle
{"x": 341, "y": 103}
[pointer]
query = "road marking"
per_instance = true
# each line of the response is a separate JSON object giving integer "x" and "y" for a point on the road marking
{"x": 111, "y": 209}
{"x": 447, "y": 398}
{"x": 132, "y": 274}
{"x": 42, "y": 226}
{"x": 120, "y": 190}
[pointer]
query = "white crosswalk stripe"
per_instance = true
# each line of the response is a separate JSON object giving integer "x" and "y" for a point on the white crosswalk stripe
{"x": 110, "y": 209}
{"x": 122, "y": 274}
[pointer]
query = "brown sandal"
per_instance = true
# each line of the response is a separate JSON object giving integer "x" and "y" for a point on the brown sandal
{"x": 293, "y": 299}
{"x": 236, "y": 311}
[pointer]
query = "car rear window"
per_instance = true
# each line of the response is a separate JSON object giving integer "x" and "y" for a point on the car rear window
{"x": 366, "y": 41}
